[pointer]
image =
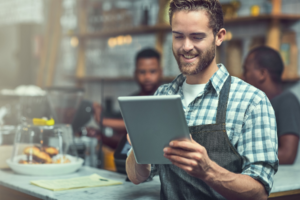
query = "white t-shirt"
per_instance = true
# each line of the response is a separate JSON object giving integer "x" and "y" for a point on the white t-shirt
{"x": 190, "y": 92}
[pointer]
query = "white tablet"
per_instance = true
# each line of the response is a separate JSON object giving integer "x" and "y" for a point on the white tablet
{"x": 152, "y": 122}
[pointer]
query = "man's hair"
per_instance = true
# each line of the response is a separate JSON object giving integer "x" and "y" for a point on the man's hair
{"x": 212, "y": 7}
{"x": 147, "y": 53}
{"x": 268, "y": 58}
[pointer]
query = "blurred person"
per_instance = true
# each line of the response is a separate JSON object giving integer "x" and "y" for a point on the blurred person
{"x": 224, "y": 115}
{"x": 148, "y": 75}
{"x": 263, "y": 69}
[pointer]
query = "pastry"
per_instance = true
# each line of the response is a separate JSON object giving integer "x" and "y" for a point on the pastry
{"x": 31, "y": 150}
{"x": 42, "y": 157}
{"x": 51, "y": 151}
{"x": 35, "y": 154}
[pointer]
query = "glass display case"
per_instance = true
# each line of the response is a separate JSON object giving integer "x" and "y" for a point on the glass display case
{"x": 44, "y": 150}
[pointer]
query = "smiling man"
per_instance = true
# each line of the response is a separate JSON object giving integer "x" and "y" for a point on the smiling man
{"x": 232, "y": 153}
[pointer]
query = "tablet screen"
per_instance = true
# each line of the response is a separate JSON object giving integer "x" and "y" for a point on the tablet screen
{"x": 152, "y": 122}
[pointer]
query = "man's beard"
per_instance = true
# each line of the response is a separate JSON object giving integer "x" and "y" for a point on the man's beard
{"x": 205, "y": 59}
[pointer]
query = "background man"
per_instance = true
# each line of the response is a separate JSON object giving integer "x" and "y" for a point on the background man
{"x": 263, "y": 69}
{"x": 148, "y": 75}
{"x": 230, "y": 154}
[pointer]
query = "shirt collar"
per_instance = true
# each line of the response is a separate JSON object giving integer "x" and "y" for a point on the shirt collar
{"x": 216, "y": 81}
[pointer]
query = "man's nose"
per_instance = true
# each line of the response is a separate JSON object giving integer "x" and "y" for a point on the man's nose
{"x": 188, "y": 45}
{"x": 148, "y": 75}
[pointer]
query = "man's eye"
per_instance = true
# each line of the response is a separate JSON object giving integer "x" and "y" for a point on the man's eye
{"x": 178, "y": 37}
{"x": 198, "y": 38}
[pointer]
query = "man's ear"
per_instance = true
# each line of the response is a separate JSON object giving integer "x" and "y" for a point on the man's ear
{"x": 263, "y": 75}
{"x": 220, "y": 36}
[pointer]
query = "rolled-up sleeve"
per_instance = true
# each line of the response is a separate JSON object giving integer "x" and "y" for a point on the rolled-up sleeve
{"x": 258, "y": 143}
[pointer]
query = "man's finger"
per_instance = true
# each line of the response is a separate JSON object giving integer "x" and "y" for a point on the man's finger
{"x": 182, "y": 153}
{"x": 181, "y": 160}
{"x": 128, "y": 139}
{"x": 186, "y": 145}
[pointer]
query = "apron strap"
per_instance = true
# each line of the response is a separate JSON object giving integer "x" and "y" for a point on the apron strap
{"x": 223, "y": 100}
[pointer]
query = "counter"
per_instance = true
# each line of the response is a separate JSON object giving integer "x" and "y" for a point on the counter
{"x": 147, "y": 191}
{"x": 286, "y": 186}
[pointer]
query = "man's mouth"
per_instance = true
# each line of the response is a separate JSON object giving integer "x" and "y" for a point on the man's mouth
{"x": 147, "y": 84}
{"x": 189, "y": 56}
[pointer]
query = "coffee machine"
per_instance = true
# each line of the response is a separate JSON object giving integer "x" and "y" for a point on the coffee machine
{"x": 69, "y": 108}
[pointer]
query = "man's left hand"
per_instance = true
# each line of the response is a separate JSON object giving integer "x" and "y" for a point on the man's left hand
{"x": 189, "y": 156}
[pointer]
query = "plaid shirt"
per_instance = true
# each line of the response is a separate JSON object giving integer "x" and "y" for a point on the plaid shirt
{"x": 250, "y": 121}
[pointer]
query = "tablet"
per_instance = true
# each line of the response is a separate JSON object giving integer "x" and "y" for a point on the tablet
{"x": 152, "y": 122}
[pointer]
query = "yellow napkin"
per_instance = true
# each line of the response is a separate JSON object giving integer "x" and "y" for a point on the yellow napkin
{"x": 82, "y": 182}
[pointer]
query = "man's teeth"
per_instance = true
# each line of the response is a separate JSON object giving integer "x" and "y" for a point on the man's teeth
{"x": 188, "y": 56}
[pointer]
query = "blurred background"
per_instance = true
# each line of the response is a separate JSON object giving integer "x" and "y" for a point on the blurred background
{"x": 87, "y": 48}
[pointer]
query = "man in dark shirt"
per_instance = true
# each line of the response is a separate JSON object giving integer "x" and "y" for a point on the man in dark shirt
{"x": 148, "y": 75}
{"x": 263, "y": 68}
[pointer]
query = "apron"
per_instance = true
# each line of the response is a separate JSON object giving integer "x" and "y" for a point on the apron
{"x": 176, "y": 184}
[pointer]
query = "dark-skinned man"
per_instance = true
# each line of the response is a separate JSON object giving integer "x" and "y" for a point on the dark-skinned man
{"x": 148, "y": 75}
{"x": 263, "y": 69}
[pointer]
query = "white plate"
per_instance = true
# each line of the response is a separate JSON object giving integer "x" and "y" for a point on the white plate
{"x": 45, "y": 169}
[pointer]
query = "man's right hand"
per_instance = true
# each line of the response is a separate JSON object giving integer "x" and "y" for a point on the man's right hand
{"x": 137, "y": 173}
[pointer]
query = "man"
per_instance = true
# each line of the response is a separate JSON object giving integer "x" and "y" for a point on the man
{"x": 232, "y": 153}
{"x": 148, "y": 75}
{"x": 263, "y": 69}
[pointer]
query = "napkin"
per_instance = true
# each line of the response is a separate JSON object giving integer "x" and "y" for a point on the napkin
{"x": 81, "y": 182}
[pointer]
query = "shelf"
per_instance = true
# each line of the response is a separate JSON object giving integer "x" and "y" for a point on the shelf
{"x": 124, "y": 31}
{"x": 166, "y": 27}
{"x": 90, "y": 79}
{"x": 282, "y": 17}
{"x": 291, "y": 80}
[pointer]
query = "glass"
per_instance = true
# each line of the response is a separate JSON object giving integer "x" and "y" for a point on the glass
{"x": 44, "y": 145}
{"x": 38, "y": 147}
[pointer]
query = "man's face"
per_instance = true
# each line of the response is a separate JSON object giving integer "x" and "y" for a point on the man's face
{"x": 193, "y": 41}
{"x": 251, "y": 72}
{"x": 148, "y": 74}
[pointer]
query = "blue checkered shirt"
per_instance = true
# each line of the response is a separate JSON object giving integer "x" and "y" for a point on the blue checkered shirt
{"x": 250, "y": 121}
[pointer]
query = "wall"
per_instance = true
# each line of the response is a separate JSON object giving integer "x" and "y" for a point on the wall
{"x": 8, "y": 50}
{"x": 20, "y": 22}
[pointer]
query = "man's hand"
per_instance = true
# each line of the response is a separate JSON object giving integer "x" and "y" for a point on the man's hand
{"x": 189, "y": 156}
{"x": 137, "y": 173}
{"x": 128, "y": 139}
{"x": 97, "y": 112}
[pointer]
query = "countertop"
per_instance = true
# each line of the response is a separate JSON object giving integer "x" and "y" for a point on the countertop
{"x": 286, "y": 179}
{"x": 146, "y": 191}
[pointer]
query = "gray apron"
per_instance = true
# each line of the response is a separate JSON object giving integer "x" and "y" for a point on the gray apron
{"x": 176, "y": 184}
